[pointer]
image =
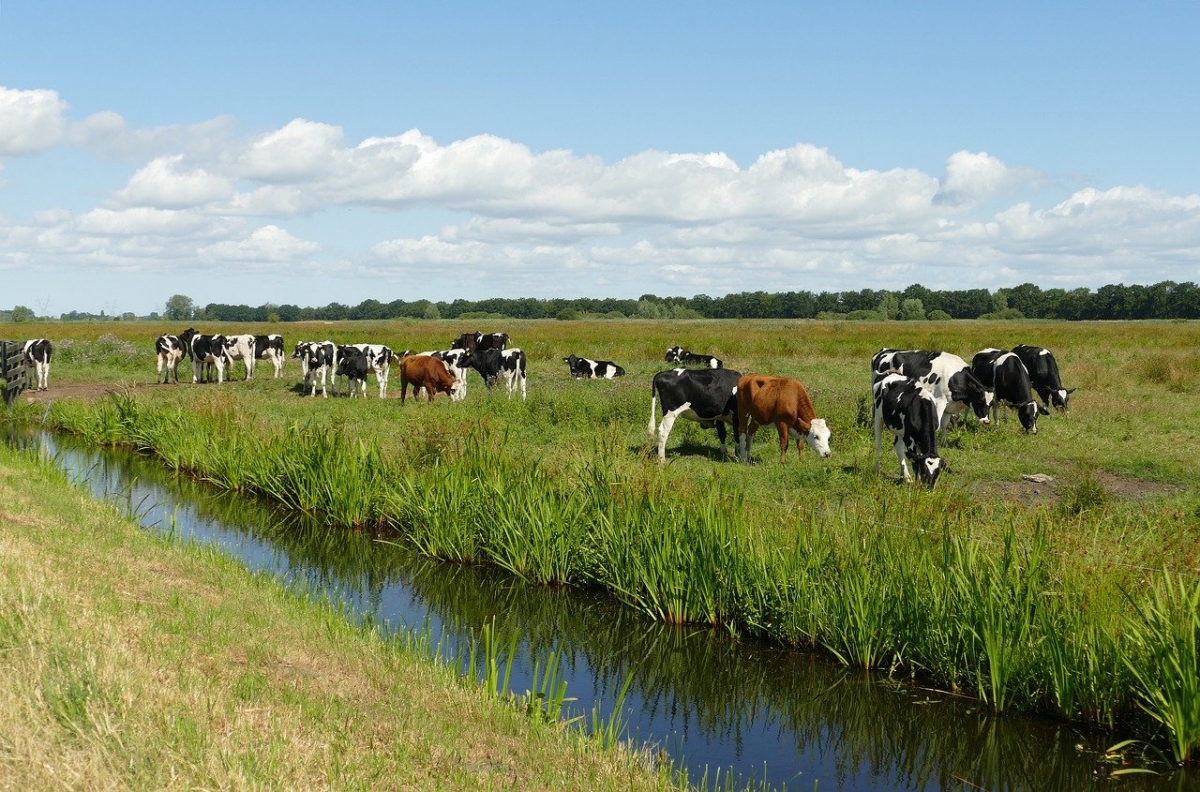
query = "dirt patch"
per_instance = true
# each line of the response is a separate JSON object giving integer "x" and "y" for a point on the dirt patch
{"x": 1042, "y": 490}
{"x": 78, "y": 390}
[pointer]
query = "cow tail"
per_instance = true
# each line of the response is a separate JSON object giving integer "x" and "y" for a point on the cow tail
{"x": 653, "y": 399}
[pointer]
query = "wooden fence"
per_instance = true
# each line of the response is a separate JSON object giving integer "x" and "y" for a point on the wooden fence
{"x": 12, "y": 369}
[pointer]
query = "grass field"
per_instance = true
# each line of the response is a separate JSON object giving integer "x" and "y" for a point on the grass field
{"x": 1059, "y": 597}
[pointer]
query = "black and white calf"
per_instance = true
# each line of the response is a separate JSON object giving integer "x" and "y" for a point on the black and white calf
{"x": 270, "y": 347}
{"x": 1010, "y": 382}
{"x": 169, "y": 350}
{"x": 353, "y": 365}
{"x": 319, "y": 361}
{"x": 38, "y": 352}
{"x": 707, "y": 396}
{"x": 952, "y": 384}
{"x": 379, "y": 360}
{"x": 907, "y": 409}
{"x": 1043, "y": 375}
{"x": 678, "y": 354}
{"x": 478, "y": 341}
{"x": 494, "y": 365}
{"x": 208, "y": 349}
{"x": 241, "y": 347}
{"x": 584, "y": 368}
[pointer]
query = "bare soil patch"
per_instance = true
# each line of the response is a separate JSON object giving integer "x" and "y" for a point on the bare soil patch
{"x": 1047, "y": 493}
{"x": 79, "y": 390}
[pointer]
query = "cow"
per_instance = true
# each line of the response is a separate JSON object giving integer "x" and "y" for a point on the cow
{"x": 271, "y": 347}
{"x": 478, "y": 341}
{"x": 495, "y": 364}
{"x": 763, "y": 399}
{"x": 169, "y": 350}
{"x": 953, "y": 386}
{"x": 241, "y": 347}
{"x": 906, "y": 408}
{"x": 208, "y": 349}
{"x": 678, "y": 354}
{"x": 585, "y": 368}
{"x": 37, "y": 353}
{"x": 379, "y": 360}
{"x": 428, "y": 372}
{"x": 353, "y": 366}
{"x": 1043, "y": 375}
{"x": 1011, "y": 385}
{"x": 984, "y": 368}
{"x": 707, "y": 396}
{"x": 319, "y": 360}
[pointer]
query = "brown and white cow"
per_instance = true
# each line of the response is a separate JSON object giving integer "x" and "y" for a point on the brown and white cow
{"x": 763, "y": 399}
{"x": 428, "y": 372}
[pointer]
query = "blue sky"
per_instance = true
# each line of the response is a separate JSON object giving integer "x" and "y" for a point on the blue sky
{"x": 313, "y": 152}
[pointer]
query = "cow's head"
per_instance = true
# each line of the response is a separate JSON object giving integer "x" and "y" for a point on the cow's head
{"x": 1028, "y": 413}
{"x": 965, "y": 387}
{"x": 674, "y": 354}
{"x": 818, "y": 437}
{"x": 1059, "y": 398}
{"x": 928, "y": 469}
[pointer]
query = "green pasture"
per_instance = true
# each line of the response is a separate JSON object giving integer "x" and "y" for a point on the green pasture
{"x": 1067, "y": 597}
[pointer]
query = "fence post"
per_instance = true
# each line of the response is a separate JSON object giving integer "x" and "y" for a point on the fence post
{"x": 12, "y": 370}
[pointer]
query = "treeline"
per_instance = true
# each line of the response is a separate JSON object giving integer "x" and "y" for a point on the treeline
{"x": 1165, "y": 300}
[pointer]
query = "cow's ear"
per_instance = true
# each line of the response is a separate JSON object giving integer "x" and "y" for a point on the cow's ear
{"x": 1042, "y": 410}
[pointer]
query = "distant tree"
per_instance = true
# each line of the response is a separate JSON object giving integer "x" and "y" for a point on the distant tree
{"x": 22, "y": 313}
{"x": 180, "y": 308}
{"x": 432, "y": 312}
{"x": 889, "y": 306}
{"x": 938, "y": 315}
{"x": 912, "y": 308}
{"x": 128, "y": 316}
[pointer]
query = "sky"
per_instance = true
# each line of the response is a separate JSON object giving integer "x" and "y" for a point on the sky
{"x": 311, "y": 153}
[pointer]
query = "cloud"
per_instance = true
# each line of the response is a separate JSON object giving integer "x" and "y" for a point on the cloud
{"x": 973, "y": 177}
{"x": 165, "y": 184}
{"x": 30, "y": 121}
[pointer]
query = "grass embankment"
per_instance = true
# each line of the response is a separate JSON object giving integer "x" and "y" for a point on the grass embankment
{"x": 129, "y": 662}
{"x": 1069, "y": 598}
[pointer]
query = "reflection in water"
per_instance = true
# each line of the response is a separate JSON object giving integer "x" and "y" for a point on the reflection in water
{"x": 755, "y": 710}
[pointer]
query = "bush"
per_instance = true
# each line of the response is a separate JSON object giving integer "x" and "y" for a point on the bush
{"x": 938, "y": 315}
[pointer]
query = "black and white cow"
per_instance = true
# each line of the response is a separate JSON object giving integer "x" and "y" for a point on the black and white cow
{"x": 241, "y": 347}
{"x": 271, "y": 347}
{"x": 379, "y": 360}
{"x": 300, "y": 352}
{"x": 353, "y": 365}
{"x": 208, "y": 349}
{"x": 953, "y": 387}
{"x": 478, "y": 341}
{"x": 678, "y": 354}
{"x": 707, "y": 396}
{"x": 494, "y": 364}
{"x": 907, "y": 409}
{"x": 1043, "y": 375}
{"x": 169, "y": 350}
{"x": 585, "y": 368}
{"x": 38, "y": 352}
{"x": 319, "y": 361}
{"x": 1010, "y": 382}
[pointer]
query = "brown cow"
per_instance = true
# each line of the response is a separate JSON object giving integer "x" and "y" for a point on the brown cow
{"x": 428, "y": 372}
{"x": 763, "y": 400}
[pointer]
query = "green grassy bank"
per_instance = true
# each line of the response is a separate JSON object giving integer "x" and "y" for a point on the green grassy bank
{"x": 1073, "y": 598}
{"x": 130, "y": 662}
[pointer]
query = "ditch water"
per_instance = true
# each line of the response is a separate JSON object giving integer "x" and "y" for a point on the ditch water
{"x": 753, "y": 711}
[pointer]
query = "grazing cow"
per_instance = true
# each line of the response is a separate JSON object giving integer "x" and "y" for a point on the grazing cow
{"x": 379, "y": 360}
{"x": 241, "y": 347}
{"x": 678, "y": 354}
{"x": 584, "y": 368}
{"x": 478, "y": 341}
{"x": 706, "y": 396}
{"x": 353, "y": 366}
{"x": 1012, "y": 388}
{"x": 428, "y": 372}
{"x": 319, "y": 361}
{"x": 953, "y": 386}
{"x": 270, "y": 347}
{"x": 907, "y": 409}
{"x": 984, "y": 368}
{"x": 495, "y": 364}
{"x": 169, "y": 350}
{"x": 1043, "y": 375}
{"x": 38, "y": 352}
{"x": 208, "y": 349}
{"x": 762, "y": 400}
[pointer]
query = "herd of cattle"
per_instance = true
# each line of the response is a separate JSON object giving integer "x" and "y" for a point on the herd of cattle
{"x": 917, "y": 394}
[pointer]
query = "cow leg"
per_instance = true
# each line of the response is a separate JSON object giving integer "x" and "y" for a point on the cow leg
{"x": 745, "y": 439}
{"x": 900, "y": 454}
{"x": 782, "y": 428}
{"x": 878, "y": 439}
{"x": 721, "y": 437}
{"x": 800, "y": 439}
